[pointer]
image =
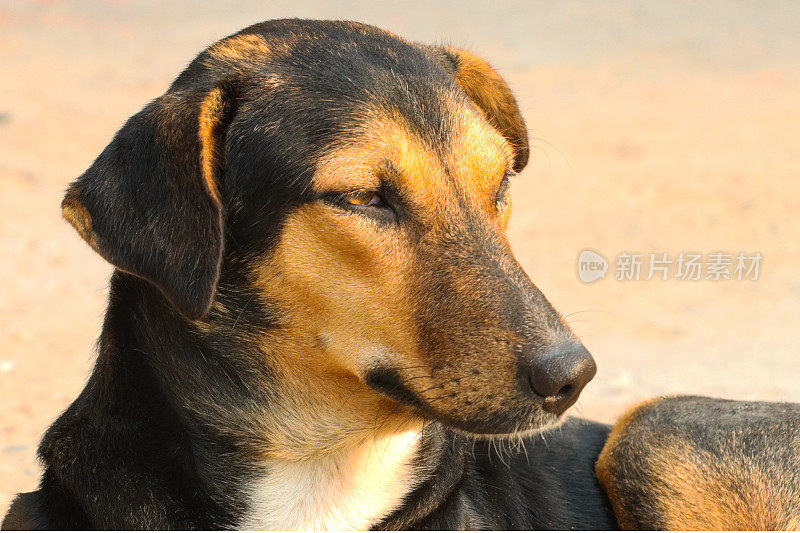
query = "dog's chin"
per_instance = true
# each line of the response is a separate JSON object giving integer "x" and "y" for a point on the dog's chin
{"x": 502, "y": 424}
{"x": 529, "y": 431}
{"x": 527, "y": 418}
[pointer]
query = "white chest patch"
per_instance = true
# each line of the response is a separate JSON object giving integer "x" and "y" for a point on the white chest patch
{"x": 348, "y": 490}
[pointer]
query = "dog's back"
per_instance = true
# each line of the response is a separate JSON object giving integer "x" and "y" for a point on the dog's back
{"x": 702, "y": 463}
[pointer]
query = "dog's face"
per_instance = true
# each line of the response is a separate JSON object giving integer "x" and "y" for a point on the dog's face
{"x": 357, "y": 187}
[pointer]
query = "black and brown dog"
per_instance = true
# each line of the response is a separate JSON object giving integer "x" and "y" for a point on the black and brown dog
{"x": 315, "y": 315}
{"x": 315, "y": 303}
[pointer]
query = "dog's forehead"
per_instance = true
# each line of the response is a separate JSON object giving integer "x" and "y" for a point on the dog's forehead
{"x": 469, "y": 158}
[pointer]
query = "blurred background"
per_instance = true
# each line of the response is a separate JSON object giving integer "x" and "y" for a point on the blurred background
{"x": 657, "y": 127}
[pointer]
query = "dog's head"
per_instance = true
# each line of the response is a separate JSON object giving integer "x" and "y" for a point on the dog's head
{"x": 356, "y": 186}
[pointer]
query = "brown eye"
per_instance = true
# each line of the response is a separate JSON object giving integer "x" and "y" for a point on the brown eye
{"x": 364, "y": 203}
{"x": 363, "y": 198}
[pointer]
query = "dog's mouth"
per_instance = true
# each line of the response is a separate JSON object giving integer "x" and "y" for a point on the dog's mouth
{"x": 467, "y": 412}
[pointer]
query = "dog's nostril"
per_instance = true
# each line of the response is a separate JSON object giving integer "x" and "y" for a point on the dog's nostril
{"x": 559, "y": 375}
{"x": 566, "y": 390}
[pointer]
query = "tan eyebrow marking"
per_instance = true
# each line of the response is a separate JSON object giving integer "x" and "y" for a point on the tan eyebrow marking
{"x": 348, "y": 168}
{"x": 358, "y": 165}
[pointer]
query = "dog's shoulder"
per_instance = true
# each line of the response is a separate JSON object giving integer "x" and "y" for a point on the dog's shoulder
{"x": 704, "y": 463}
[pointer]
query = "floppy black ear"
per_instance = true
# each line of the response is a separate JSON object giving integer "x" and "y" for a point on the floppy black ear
{"x": 489, "y": 91}
{"x": 150, "y": 203}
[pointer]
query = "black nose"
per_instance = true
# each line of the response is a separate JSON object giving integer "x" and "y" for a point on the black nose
{"x": 559, "y": 375}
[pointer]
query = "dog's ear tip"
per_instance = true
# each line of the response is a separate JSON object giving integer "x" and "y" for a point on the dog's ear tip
{"x": 70, "y": 197}
{"x": 192, "y": 297}
{"x": 193, "y": 309}
{"x": 76, "y": 213}
{"x": 191, "y": 303}
{"x": 71, "y": 201}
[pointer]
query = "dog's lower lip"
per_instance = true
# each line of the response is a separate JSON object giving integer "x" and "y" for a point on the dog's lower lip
{"x": 389, "y": 383}
{"x": 503, "y": 424}
{"x": 530, "y": 428}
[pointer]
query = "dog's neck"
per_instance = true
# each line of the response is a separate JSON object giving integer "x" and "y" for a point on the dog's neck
{"x": 333, "y": 462}
{"x": 352, "y": 489}
{"x": 306, "y": 462}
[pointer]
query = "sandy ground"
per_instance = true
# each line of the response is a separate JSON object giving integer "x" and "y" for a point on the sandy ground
{"x": 664, "y": 127}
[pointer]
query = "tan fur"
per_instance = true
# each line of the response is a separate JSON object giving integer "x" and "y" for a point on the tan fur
{"x": 484, "y": 86}
{"x": 477, "y": 161}
{"x": 357, "y": 163}
{"x": 701, "y": 491}
{"x": 605, "y": 462}
{"x": 243, "y": 49}
{"x": 76, "y": 214}
{"x": 208, "y": 121}
{"x": 331, "y": 333}
{"x": 480, "y": 153}
{"x": 338, "y": 453}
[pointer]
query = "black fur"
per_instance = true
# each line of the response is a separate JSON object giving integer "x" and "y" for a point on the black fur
{"x": 543, "y": 482}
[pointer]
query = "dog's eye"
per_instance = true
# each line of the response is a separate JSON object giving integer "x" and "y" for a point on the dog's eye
{"x": 365, "y": 198}
{"x": 502, "y": 192}
{"x": 363, "y": 202}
